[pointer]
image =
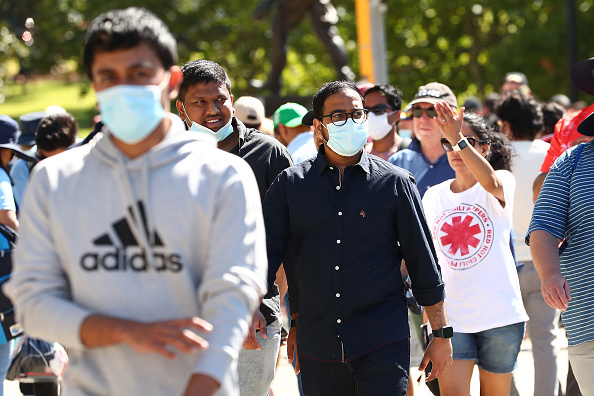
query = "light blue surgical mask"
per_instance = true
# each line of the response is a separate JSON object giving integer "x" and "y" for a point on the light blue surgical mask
{"x": 405, "y": 133}
{"x": 219, "y": 135}
{"x": 348, "y": 139}
{"x": 132, "y": 112}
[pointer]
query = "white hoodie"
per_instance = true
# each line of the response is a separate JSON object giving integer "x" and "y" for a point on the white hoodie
{"x": 81, "y": 253}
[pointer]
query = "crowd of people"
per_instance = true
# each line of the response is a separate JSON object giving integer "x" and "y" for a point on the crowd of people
{"x": 160, "y": 249}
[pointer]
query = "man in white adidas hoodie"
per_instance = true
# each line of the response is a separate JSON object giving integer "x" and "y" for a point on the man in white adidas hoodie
{"x": 144, "y": 251}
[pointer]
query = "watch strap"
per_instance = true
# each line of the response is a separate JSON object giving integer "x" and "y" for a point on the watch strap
{"x": 461, "y": 145}
{"x": 294, "y": 322}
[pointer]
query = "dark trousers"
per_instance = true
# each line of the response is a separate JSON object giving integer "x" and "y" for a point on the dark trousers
{"x": 383, "y": 371}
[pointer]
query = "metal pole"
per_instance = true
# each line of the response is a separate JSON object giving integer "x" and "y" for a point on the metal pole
{"x": 572, "y": 45}
{"x": 365, "y": 41}
{"x": 378, "y": 31}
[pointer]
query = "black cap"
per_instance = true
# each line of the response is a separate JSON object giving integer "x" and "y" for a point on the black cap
{"x": 308, "y": 118}
{"x": 29, "y": 123}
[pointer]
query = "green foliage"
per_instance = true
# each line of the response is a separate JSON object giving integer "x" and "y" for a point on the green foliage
{"x": 467, "y": 44}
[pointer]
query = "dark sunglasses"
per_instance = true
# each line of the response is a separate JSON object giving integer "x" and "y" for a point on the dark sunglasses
{"x": 380, "y": 109}
{"x": 417, "y": 112}
{"x": 447, "y": 146}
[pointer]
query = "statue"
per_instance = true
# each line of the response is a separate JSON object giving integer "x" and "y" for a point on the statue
{"x": 288, "y": 14}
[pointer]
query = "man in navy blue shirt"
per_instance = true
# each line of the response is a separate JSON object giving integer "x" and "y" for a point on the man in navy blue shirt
{"x": 425, "y": 158}
{"x": 341, "y": 223}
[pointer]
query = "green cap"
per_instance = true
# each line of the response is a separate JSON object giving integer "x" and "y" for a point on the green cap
{"x": 289, "y": 114}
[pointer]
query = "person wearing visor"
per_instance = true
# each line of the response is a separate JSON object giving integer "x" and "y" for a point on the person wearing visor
{"x": 205, "y": 103}
{"x": 342, "y": 222}
{"x": 425, "y": 158}
{"x": 383, "y": 103}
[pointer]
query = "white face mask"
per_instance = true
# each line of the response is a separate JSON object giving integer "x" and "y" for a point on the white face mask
{"x": 379, "y": 126}
{"x": 219, "y": 135}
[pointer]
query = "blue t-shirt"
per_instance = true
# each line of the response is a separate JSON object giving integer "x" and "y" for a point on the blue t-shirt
{"x": 426, "y": 174}
{"x": 564, "y": 209}
{"x": 6, "y": 202}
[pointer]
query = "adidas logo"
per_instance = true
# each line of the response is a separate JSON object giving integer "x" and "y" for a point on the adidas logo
{"x": 122, "y": 252}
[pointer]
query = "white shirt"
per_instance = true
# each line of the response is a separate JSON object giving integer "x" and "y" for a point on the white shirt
{"x": 471, "y": 232}
{"x": 302, "y": 147}
{"x": 525, "y": 167}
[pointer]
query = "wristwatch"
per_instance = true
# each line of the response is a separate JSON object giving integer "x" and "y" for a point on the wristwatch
{"x": 445, "y": 332}
{"x": 293, "y": 322}
{"x": 461, "y": 144}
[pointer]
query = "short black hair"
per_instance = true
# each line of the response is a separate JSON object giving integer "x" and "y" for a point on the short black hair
{"x": 127, "y": 28}
{"x": 330, "y": 89}
{"x": 202, "y": 71}
{"x": 56, "y": 131}
{"x": 523, "y": 113}
{"x": 551, "y": 113}
{"x": 393, "y": 94}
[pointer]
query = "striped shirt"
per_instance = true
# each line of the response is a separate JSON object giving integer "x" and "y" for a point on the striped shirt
{"x": 565, "y": 209}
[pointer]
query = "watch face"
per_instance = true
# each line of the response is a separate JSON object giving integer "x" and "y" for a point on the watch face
{"x": 448, "y": 332}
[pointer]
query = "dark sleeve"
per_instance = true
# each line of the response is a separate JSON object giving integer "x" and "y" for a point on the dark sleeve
{"x": 417, "y": 245}
{"x": 280, "y": 159}
{"x": 276, "y": 219}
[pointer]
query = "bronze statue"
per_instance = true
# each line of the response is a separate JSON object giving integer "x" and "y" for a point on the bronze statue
{"x": 288, "y": 14}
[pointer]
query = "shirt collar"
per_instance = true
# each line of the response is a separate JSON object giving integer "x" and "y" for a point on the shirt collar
{"x": 364, "y": 162}
{"x": 241, "y": 131}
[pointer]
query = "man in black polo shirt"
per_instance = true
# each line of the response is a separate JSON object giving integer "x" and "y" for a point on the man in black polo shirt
{"x": 205, "y": 103}
{"x": 342, "y": 222}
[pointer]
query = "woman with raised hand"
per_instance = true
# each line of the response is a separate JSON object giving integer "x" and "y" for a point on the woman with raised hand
{"x": 470, "y": 218}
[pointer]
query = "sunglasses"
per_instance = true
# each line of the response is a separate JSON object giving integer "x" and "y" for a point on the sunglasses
{"x": 447, "y": 146}
{"x": 417, "y": 112}
{"x": 380, "y": 109}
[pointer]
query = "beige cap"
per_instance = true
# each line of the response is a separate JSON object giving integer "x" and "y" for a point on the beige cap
{"x": 249, "y": 110}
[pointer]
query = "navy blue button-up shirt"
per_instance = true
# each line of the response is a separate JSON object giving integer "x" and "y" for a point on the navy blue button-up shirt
{"x": 342, "y": 243}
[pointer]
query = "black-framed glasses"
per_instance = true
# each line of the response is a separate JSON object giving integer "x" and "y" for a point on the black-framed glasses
{"x": 447, "y": 146}
{"x": 417, "y": 112}
{"x": 339, "y": 118}
{"x": 380, "y": 109}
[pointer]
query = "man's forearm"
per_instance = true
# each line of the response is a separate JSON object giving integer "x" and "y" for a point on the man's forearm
{"x": 97, "y": 331}
{"x": 437, "y": 315}
{"x": 544, "y": 248}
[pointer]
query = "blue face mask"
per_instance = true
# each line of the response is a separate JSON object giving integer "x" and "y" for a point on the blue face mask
{"x": 348, "y": 139}
{"x": 132, "y": 112}
{"x": 219, "y": 135}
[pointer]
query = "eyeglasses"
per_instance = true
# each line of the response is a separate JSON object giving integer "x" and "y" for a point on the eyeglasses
{"x": 447, "y": 146}
{"x": 340, "y": 118}
{"x": 417, "y": 112}
{"x": 379, "y": 109}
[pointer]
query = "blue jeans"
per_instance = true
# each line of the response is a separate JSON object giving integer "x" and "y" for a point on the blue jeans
{"x": 5, "y": 360}
{"x": 256, "y": 368}
{"x": 383, "y": 371}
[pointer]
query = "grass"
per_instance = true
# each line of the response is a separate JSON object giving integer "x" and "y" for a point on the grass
{"x": 39, "y": 94}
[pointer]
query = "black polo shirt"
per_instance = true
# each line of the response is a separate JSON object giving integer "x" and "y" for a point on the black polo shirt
{"x": 342, "y": 243}
{"x": 267, "y": 157}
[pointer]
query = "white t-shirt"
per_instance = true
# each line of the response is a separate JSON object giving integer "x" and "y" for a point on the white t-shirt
{"x": 302, "y": 147}
{"x": 471, "y": 232}
{"x": 525, "y": 167}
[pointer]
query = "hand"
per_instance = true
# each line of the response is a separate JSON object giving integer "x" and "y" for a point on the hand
{"x": 201, "y": 385}
{"x": 439, "y": 352}
{"x": 556, "y": 292}
{"x": 449, "y": 124}
{"x": 292, "y": 348}
{"x": 157, "y": 337}
{"x": 258, "y": 323}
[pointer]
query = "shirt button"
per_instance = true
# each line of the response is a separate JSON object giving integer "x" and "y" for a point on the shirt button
{"x": 338, "y": 320}
{"x": 338, "y": 187}
{"x": 338, "y": 241}
{"x": 331, "y": 168}
{"x": 337, "y": 294}
{"x": 339, "y": 336}
{"x": 337, "y": 268}
{"x": 430, "y": 166}
{"x": 340, "y": 213}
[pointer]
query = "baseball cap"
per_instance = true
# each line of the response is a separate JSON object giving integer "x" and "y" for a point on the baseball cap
{"x": 516, "y": 77}
{"x": 249, "y": 110}
{"x": 9, "y": 131}
{"x": 290, "y": 115}
{"x": 29, "y": 123}
{"x": 308, "y": 118}
{"x": 433, "y": 93}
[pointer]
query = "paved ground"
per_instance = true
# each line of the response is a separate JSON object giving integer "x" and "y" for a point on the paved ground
{"x": 285, "y": 383}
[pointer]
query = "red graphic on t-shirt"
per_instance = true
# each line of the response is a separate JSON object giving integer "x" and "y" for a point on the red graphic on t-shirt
{"x": 460, "y": 235}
